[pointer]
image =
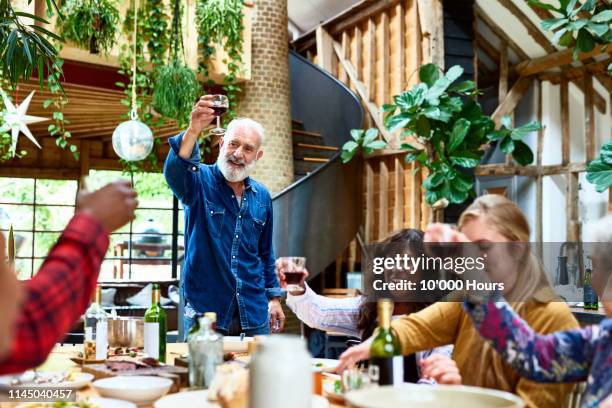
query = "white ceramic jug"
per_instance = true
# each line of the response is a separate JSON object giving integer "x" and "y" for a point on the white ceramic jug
{"x": 280, "y": 373}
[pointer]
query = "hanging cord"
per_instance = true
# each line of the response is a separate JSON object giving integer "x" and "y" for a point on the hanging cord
{"x": 134, "y": 112}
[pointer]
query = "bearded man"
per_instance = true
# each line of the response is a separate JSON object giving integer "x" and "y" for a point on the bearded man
{"x": 229, "y": 260}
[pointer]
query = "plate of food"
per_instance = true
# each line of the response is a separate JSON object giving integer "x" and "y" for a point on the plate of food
{"x": 90, "y": 402}
{"x": 59, "y": 379}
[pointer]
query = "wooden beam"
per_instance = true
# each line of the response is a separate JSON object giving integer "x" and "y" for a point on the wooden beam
{"x": 369, "y": 202}
{"x": 593, "y": 67}
{"x": 431, "y": 18}
{"x": 398, "y": 205}
{"x": 512, "y": 99}
{"x": 532, "y": 29}
{"x": 555, "y": 59}
{"x": 528, "y": 171}
{"x": 346, "y": 21}
{"x": 416, "y": 198}
{"x": 371, "y": 61}
{"x": 383, "y": 200}
{"x": 325, "y": 50}
{"x": 565, "y": 122}
{"x": 598, "y": 100}
{"x": 400, "y": 68}
{"x": 346, "y": 44}
{"x": 605, "y": 80}
{"x": 496, "y": 29}
{"x": 386, "y": 51}
{"x": 571, "y": 208}
{"x": 475, "y": 62}
{"x": 488, "y": 48}
{"x": 363, "y": 93}
{"x": 358, "y": 52}
{"x": 37, "y": 172}
{"x": 84, "y": 156}
{"x": 539, "y": 179}
{"x": 503, "y": 72}
{"x": 589, "y": 118}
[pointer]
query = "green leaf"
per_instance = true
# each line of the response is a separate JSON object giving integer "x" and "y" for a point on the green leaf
{"x": 388, "y": 108}
{"x": 433, "y": 180}
{"x": 598, "y": 30}
{"x": 456, "y": 195}
{"x": 429, "y": 74}
{"x": 507, "y": 145}
{"x": 47, "y": 102}
{"x": 606, "y": 153}
{"x": 602, "y": 17}
{"x": 435, "y": 113}
{"x": 461, "y": 87}
{"x": 357, "y": 134}
{"x": 460, "y": 130}
{"x": 350, "y": 145}
{"x": 431, "y": 197}
{"x": 566, "y": 39}
{"x": 522, "y": 153}
{"x": 520, "y": 132}
{"x": 542, "y": 5}
{"x": 398, "y": 121}
{"x": 497, "y": 134}
{"x": 578, "y": 24}
{"x": 377, "y": 145}
{"x": 553, "y": 23}
{"x": 408, "y": 146}
{"x": 585, "y": 41}
{"x": 443, "y": 83}
{"x": 466, "y": 162}
{"x": 561, "y": 35}
{"x": 599, "y": 174}
{"x": 73, "y": 148}
{"x": 571, "y": 7}
{"x": 404, "y": 100}
{"x": 463, "y": 182}
{"x": 370, "y": 135}
{"x": 423, "y": 127}
{"x": 506, "y": 121}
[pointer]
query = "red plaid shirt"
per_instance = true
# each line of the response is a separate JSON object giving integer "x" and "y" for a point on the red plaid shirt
{"x": 59, "y": 293}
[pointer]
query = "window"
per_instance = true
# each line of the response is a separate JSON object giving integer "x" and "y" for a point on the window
{"x": 38, "y": 210}
{"x": 141, "y": 250}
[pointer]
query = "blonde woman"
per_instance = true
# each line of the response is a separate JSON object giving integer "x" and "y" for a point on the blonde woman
{"x": 490, "y": 219}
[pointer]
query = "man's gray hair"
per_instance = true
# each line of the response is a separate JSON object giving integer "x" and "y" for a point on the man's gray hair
{"x": 246, "y": 122}
{"x": 600, "y": 237}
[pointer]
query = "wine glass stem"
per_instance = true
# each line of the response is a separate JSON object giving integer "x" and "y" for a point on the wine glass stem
{"x": 218, "y": 122}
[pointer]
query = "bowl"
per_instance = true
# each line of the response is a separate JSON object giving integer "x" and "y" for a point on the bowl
{"x": 432, "y": 396}
{"x": 140, "y": 389}
{"x": 126, "y": 332}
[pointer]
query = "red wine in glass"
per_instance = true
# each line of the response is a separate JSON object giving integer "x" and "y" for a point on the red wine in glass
{"x": 219, "y": 110}
{"x": 293, "y": 278}
{"x": 219, "y": 107}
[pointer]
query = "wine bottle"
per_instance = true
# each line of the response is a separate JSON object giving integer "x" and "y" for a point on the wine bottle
{"x": 205, "y": 354}
{"x": 385, "y": 351}
{"x": 96, "y": 329}
{"x": 155, "y": 328}
{"x": 591, "y": 302}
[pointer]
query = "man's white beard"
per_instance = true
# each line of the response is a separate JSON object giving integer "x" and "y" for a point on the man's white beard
{"x": 234, "y": 174}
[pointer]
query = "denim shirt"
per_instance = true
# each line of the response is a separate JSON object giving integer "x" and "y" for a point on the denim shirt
{"x": 228, "y": 248}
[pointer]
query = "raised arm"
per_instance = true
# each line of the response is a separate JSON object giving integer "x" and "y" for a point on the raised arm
{"x": 558, "y": 357}
{"x": 324, "y": 313}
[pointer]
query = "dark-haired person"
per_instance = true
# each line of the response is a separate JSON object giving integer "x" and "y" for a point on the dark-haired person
{"x": 356, "y": 316}
{"x": 45, "y": 307}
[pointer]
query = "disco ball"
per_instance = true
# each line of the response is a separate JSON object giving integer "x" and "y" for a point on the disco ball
{"x": 132, "y": 140}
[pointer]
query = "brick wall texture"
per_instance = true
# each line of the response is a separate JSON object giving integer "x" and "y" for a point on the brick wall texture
{"x": 266, "y": 98}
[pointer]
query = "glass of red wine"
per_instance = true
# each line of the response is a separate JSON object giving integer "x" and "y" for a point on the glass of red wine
{"x": 220, "y": 105}
{"x": 293, "y": 267}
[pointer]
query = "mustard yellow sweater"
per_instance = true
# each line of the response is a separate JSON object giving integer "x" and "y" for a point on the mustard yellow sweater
{"x": 446, "y": 323}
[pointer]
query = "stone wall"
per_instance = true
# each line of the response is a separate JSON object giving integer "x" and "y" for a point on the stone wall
{"x": 266, "y": 97}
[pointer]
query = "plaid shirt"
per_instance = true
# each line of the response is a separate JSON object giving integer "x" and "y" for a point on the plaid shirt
{"x": 59, "y": 293}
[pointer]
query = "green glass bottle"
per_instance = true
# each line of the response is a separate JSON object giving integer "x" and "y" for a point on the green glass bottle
{"x": 155, "y": 328}
{"x": 385, "y": 351}
{"x": 591, "y": 302}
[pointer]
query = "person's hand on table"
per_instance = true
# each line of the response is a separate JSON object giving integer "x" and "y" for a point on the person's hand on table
{"x": 442, "y": 369}
{"x": 353, "y": 355}
{"x": 277, "y": 317}
{"x": 281, "y": 266}
{"x": 113, "y": 205}
{"x": 11, "y": 296}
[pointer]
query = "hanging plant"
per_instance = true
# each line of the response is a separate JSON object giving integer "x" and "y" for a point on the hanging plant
{"x": 220, "y": 22}
{"x": 90, "y": 24}
{"x": 450, "y": 130}
{"x": 176, "y": 86}
{"x": 599, "y": 171}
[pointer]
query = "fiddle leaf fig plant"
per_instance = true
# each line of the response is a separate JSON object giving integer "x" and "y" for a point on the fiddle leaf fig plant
{"x": 599, "y": 171}
{"x": 448, "y": 132}
{"x": 364, "y": 139}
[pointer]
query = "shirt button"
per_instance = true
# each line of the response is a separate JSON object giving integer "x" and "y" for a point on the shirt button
{"x": 240, "y": 216}
{"x": 233, "y": 196}
{"x": 211, "y": 212}
{"x": 234, "y": 256}
{"x": 236, "y": 236}
{"x": 237, "y": 294}
{"x": 193, "y": 168}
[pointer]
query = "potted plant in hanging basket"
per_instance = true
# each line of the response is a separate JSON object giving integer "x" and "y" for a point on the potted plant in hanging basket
{"x": 176, "y": 86}
{"x": 90, "y": 24}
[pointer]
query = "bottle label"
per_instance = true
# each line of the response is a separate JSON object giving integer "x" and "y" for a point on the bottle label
{"x": 88, "y": 333}
{"x": 151, "y": 339}
{"x": 590, "y": 297}
{"x": 101, "y": 340}
{"x": 390, "y": 370}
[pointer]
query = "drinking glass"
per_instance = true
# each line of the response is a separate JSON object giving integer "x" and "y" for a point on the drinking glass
{"x": 220, "y": 105}
{"x": 294, "y": 269}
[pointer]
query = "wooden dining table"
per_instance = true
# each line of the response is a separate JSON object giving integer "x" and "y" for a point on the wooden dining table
{"x": 59, "y": 361}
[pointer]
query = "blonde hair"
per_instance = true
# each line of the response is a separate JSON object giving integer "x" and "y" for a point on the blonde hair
{"x": 508, "y": 219}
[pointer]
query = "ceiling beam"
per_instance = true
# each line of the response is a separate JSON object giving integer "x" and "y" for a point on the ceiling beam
{"x": 555, "y": 59}
{"x": 532, "y": 29}
{"x": 512, "y": 99}
{"x": 496, "y": 29}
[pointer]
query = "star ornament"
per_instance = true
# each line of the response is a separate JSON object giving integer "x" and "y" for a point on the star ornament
{"x": 17, "y": 120}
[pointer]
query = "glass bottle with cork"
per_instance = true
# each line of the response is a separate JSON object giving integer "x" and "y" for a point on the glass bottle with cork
{"x": 95, "y": 345}
{"x": 591, "y": 302}
{"x": 155, "y": 327}
{"x": 385, "y": 352}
